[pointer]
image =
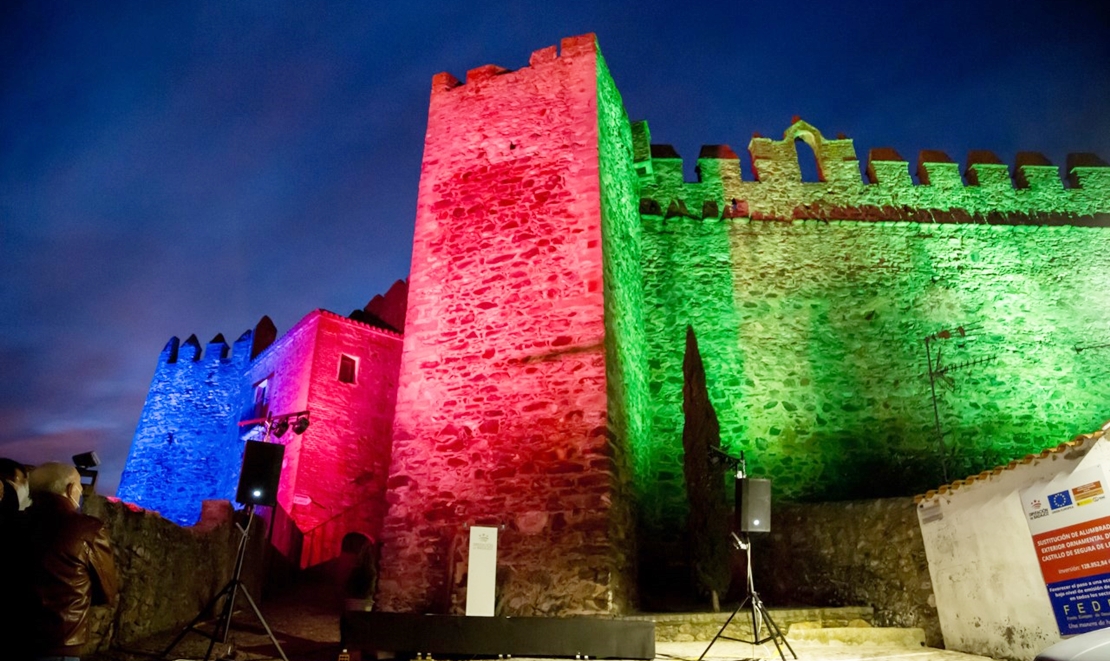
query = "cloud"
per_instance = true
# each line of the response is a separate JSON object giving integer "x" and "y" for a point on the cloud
{"x": 62, "y": 445}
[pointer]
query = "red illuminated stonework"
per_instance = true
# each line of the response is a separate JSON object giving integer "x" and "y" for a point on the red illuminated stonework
{"x": 333, "y": 477}
{"x": 502, "y": 409}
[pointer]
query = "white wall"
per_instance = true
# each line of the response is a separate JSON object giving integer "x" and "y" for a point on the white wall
{"x": 991, "y": 597}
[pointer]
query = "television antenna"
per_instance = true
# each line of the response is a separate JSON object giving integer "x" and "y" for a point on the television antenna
{"x": 940, "y": 373}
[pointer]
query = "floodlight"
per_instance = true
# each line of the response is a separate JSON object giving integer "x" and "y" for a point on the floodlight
{"x": 86, "y": 460}
{"x": 300, "y": 425}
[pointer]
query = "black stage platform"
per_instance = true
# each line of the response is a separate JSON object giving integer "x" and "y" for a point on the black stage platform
{"x": 595, "y": 637}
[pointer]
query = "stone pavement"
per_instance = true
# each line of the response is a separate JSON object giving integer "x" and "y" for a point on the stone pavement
{"x": 808, "y": 651}
{"x": 306, "y": 624}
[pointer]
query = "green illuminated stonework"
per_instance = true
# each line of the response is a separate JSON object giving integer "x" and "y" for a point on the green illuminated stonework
{"x": 623, "y": 292}
{"x": 811, "y": 302}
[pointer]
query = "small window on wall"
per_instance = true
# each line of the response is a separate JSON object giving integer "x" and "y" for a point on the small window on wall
{"x": 347, "y": 368}
{"x": 261, "y": 399}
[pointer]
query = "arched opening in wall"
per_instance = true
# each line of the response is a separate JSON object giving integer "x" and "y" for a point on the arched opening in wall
{"x": 807, "y": 161}
{"x": 359, "y": 570}
{"x": 354, "y": 543}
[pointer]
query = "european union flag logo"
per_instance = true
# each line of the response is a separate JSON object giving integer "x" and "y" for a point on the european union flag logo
{"x": 1058, "y": 500}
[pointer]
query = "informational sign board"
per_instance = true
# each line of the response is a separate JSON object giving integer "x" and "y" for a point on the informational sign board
{"x": 1069, "y": 519}
{"x": 481, "y": 571}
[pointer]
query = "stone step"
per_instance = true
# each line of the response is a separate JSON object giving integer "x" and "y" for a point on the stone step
{"x": 685, "y": 627}
{"x": 897, "y": 636}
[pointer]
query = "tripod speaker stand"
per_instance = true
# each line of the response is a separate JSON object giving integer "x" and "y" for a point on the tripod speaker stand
{"x": 760, "y": 617}
{"x": 753, "y": 514}
{"x": 258, "y": 484}
{"x": 230, "y": 590}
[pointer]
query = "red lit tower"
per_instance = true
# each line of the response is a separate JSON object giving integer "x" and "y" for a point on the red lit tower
{"x": 521, "y": 383}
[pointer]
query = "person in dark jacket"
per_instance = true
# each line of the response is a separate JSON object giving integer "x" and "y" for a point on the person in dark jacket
{"x": 13, "y": 498}
{"x": 68, "y": 562}
{"x": 16, "y": 495}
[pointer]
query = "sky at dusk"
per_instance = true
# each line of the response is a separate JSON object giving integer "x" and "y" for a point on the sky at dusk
{"x": 170, "y": 168}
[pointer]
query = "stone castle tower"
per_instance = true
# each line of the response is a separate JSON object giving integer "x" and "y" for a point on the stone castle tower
{"x": 520, "y": 390}
{"x": 186, "y": 447}
{"x": 560, "y": 259}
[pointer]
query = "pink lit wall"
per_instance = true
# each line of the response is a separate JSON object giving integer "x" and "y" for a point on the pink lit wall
{"x": 334, "y": 475}
{"x": 502, "y": 413}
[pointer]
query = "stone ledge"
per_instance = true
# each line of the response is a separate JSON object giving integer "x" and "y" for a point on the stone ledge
{"x": 687, "y": 627}
{"x": 901, "y": 636}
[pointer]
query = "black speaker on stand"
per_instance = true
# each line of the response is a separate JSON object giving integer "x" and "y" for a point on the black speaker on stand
{"x": 753, "y": 504}
{"x": 261, "y": 473}
{"x": 258, "y": 485}
{"x": 753, "y": 514}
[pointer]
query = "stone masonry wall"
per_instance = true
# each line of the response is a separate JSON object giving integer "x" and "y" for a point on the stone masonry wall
{"x": 862, "y": 553}
{"x": 333, "y": 475}
{"x": 286, "y": 368}
{"x": 625, "y": 365}
{"x": 502, "y": 412}
{"x": 811, "y": 302}
{"x": 167, "y": 572}
{"x": 344, "y": 454}
{"x": 186, "y": 447}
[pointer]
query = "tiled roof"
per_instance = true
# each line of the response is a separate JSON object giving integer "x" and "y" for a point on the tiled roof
{"x": 389, "y": 332}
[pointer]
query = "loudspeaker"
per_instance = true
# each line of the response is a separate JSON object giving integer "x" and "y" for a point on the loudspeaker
{"x": 753, "y": 505}
{"x": 261, "y": 472}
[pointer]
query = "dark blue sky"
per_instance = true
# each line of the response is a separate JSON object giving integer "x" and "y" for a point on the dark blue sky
{"x": 169, "y": 168}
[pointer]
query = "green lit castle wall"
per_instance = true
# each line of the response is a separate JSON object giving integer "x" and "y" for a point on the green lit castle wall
{"x": 811, "y": 301}
{"x": 625, "y": 377}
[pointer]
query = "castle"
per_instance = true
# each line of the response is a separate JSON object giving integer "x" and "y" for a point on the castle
{"x": 529, "y": 375}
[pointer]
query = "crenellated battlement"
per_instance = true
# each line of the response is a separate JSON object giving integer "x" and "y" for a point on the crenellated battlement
{"x": 584, "y": 44}
{"x": 984, "y": 191}
{"x": 251, "y": 343}
{"x": 386, "y": 311}
{"x": 216, "y": 351}
{"x": 190, "y": 420}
